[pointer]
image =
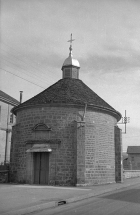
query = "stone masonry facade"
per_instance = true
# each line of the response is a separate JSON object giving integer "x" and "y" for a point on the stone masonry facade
{"x": 83, "y": 152}
{"x": 100, "y": 156}
{"x": 118, "y": 155}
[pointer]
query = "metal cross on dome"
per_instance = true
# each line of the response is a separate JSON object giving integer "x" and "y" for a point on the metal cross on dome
{"x": 70, "y": 42}
{"x": 71, "y": 39}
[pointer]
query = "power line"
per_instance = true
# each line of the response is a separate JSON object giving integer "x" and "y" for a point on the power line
{"x": 21, "y": 78}
{"x": 26, "y": 64}
{"x": 23, "y": 69}
{"x": 24, "y": 57}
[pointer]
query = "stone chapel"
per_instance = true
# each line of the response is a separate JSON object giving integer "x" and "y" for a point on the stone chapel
{"x": 66, "y": 135}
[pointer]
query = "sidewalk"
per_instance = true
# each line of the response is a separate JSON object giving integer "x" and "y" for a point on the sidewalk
{"x": 22, "y": 199}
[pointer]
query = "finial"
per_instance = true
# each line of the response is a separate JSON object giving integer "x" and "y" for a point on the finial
{"x": 70, "y": 48}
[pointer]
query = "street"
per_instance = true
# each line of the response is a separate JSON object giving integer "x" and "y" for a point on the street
{"x": 122, "y": 202}
{"x": 117, "y": 198}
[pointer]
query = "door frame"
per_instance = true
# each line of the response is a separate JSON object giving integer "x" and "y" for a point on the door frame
{"x": 41, "y": 159}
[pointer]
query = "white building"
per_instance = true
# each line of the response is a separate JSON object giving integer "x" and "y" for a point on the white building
{"x": 7, "y": 119}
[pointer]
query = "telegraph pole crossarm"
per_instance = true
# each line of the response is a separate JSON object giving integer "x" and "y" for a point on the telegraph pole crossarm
{"x": 125, "y": 120}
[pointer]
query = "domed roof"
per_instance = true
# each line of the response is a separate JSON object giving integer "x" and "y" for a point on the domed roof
{"x": 70, "y": 61}
{"x": 67, "y": 92}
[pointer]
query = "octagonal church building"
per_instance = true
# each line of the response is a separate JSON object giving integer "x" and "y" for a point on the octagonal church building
{"x": 66, "y": 135}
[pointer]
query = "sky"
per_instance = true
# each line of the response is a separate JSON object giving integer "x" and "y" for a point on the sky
{"x": 33, "y": 47}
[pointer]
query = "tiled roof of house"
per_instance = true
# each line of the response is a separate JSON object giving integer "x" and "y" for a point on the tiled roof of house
{"x": 68, "y": 91}
{"x": 8, "y": 99}
{"x": 133, "y": 149}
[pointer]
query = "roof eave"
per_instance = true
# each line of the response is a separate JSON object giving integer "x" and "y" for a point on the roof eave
{"x": 115, "y": 113}
{"x": 8, "y": 101}
{"x": 70, "y": 66}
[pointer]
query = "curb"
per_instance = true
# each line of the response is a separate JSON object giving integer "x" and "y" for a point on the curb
{"x": 52, "y": 204}
{"x": 31, "y": 209}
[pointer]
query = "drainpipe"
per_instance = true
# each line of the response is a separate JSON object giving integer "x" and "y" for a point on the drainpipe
{"x": 55, "y": 164}
{"x": 83, "y": 118}
{"x": 6, "y": 143}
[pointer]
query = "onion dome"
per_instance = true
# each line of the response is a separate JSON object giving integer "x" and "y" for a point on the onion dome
{"x": 70, "y": 61}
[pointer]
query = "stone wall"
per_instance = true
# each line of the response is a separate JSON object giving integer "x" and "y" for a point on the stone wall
{"x": 62, "y": 122}
{"x": 100, "y": 149}
{"x": 131, "y": 173}
{"x": 85, "y": 153}
{"x": 118, "y": 155}
{"x": 80, "y": 153}
{"x": 4, "y": 174}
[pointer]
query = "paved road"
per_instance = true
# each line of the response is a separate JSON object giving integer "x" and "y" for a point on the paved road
{"x": 20, "y": 197}
{"x": 123, "y": 202}
{"x": 26, "y": 199}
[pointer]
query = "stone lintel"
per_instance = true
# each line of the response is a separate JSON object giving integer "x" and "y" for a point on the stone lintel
{"x": 54, "y": 141}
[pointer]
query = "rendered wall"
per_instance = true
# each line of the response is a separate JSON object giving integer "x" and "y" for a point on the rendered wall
{"x": 5, "y": 126}
{"x": 134, "y": 161}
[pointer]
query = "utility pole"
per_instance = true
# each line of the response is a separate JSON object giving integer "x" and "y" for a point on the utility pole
{"x": 124, "y": 121}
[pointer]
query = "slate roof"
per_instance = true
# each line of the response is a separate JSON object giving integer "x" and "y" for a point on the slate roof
{"x": 8, "y": 99}
{"x": 133, "y": 150}
{"x": 68, "y": 91}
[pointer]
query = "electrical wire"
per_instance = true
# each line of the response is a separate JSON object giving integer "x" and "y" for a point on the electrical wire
{"x": 22, "y": 60}
{"x": 24, "y": 65}
{"x": 21, "y": 78}
{"x": 22, "y": 69}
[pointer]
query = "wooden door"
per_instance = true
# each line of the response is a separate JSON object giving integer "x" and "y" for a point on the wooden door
{"x": 41, "y": 167}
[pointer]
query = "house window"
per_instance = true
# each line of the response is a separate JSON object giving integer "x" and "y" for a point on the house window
{"x": 132, "y": 158}
{"x": 11, "y": 118}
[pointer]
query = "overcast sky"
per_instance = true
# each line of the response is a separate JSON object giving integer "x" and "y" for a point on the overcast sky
{"x": 33, "y": 45}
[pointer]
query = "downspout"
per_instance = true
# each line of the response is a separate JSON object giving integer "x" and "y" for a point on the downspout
{"x": 55, "y": 162}
{"x": 83, "y": 118}
{"x": 6, "y": 136}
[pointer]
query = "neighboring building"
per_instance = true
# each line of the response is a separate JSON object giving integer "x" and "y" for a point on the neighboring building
{"x": 6, "y": 121}
{"x": 125, "y": 161}
{"x": 66, "y": 135}
{"x": 134, "y": 157}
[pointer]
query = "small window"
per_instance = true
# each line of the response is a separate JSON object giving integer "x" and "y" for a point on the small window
{"x": 132, "y": 158}
{"x": 11, "y": 118}
{"x": 67, "y": 73}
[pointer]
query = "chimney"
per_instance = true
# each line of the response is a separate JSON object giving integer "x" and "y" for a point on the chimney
{"x": 21, "y": 96}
